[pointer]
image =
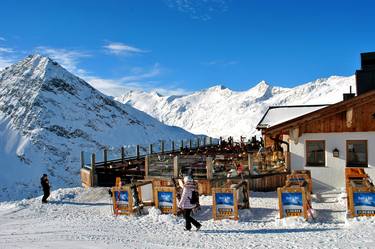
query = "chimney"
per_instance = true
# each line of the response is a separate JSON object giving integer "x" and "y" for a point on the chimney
{"x": 365, "y": 77}
{"x": 350, "y": 95}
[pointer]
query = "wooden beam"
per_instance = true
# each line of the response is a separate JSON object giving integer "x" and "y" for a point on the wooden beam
{"x": 209, "y": 167}
{"x": 82, "y": 159}
{"x": 92, "y": 173}
{"x": 122, "y": 154}
{"x": 150, "y": 149}
{"x": 175, "y": 167}
{"x": 147, "y": 165}
{"x": 105, "y": 155}
{"x": 137, "y": 151}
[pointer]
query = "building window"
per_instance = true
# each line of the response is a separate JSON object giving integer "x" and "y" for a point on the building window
{"x": 315, "y": 153}
{"x": 356, "y": 153}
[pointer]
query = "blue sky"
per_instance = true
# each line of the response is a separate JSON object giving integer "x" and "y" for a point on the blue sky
{"x": 180, "y": 46}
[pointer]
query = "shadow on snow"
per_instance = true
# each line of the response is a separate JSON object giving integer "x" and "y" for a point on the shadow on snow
{"x": 269, "y": 231}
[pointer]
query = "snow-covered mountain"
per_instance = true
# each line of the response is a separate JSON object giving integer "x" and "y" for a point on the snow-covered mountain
{"x": 48, "y": 115}
{"x": 219, "y": 111}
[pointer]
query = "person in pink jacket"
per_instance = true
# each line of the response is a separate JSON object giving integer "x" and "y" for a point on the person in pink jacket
{"x": 186, "y": 204}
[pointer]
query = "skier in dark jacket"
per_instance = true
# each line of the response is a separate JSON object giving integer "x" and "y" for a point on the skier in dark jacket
{"x": 46, "y": 187}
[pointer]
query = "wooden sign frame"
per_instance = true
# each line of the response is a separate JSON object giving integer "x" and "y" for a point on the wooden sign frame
{"x": 366, "y": 188}
{"x": 297, "y": 177}
{"x": 354, "y": 173}
{"x": 305, "y": 200}
{"x": 86, "y": 178}
{"x": 173, "y": 210}
{"x": 130, "y": 209}
{"x": 233, "y": 191}
{"x": 118, "y": 210}
{"x": 142, "y": 184}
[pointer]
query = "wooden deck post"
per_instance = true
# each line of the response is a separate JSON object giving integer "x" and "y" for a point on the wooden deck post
{"x": 147, "y": 165}
{"x": 204, "y": 141}
{"x": 190, "y": 144}
{"x": 122, "y": 154}
{"x": 82, "y": 159}
{"x": 92, "y": 173}
{"x": 175, "y": 166}
{"x": 210, "y": 141}
{"x": 137, "y": 151}
{"x": 209, "y": 167}
{"x": 105, "y": 155}
{"x": 150, "y": 149}
{"x": 287, "y": 160}
{"x": 198, "y": 142}
{"x": 182, "y": 145}
{"x": 172, "y": 146}
{"x": 162, "y": 146}
{"x": 251, "y": 164}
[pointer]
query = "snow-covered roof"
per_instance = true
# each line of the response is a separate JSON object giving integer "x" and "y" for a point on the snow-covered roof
{"x": 278, "y": 114}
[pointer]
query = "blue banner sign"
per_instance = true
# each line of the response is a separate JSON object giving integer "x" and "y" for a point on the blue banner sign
{"x": 165, "y": 201}
{"x": 292, "y": 204}
{"x": 224, "y": 204}
{"x": 364, "y": 203}
{"x": 297, "y": 179}
{"x": 122, "y": 199}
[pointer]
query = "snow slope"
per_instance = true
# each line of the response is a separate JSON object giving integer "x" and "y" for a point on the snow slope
{"x": 48, "y": 115}
{"x": 219, "y": 111}
{"x": 77, "y": 218}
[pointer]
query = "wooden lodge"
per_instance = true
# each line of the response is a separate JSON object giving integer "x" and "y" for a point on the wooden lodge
{"x": 326, "y": 139}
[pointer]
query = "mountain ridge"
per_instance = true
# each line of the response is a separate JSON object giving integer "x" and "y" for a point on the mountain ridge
{"x": 218, "y": 111}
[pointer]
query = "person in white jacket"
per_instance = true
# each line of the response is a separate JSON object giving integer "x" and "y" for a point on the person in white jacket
{"x": 186, "y": 205}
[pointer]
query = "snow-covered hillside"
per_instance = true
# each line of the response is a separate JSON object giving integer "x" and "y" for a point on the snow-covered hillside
{"x": 48, "y": 115}
{"x": 219, "y": 111}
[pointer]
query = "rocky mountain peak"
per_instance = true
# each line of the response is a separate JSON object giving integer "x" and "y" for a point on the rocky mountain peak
{"x": 48, "y": 115}
{"x": 217, "y": 88}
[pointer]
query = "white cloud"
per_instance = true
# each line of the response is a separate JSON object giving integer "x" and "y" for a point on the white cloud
{"x": 142, "y": 74}
{"x": 67, "y": 58}
{"x": 6, "y": 57}
{"x": 141, "y": 80}
{"x": 199, "y": 9}
{"x": 2, "y": 39}
{"x": 5, "y": 62}
{"x": 116, "y": 87}
{"x": 6, "y": 50}
{"x": 220, "y": 63}
{"x": 119, "y": 48}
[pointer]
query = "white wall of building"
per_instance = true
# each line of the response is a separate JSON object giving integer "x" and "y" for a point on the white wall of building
{"x": 333, "y": 175}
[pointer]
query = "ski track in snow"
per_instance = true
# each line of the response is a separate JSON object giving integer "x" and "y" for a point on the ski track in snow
{"x": 79, "y": 218}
